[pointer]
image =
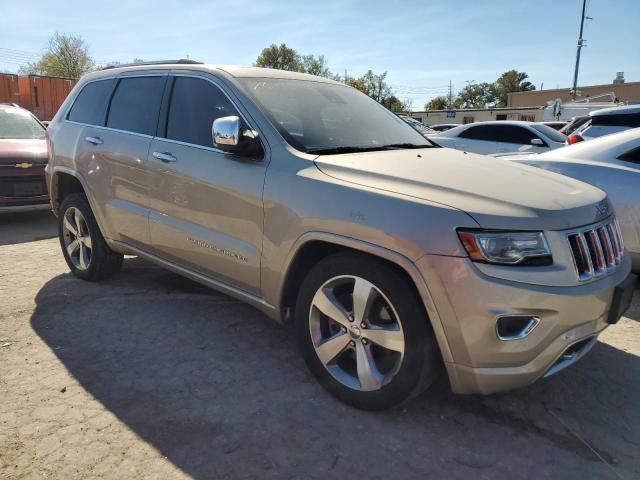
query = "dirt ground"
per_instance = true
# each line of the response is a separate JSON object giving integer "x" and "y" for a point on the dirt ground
{"x": 150, "y": 376}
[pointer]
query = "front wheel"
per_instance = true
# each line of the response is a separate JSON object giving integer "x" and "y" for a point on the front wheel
{"x": 364, "y": 333}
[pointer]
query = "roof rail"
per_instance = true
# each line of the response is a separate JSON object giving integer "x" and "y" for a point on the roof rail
{"x": 181, "y": 61}
{"x": 10, "y": 104}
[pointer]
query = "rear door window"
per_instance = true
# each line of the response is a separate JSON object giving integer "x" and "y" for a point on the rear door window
{"x": 514, "y": 134}
{"x": 91, "y": 104}
{"x": 195, "y": 104}
{"x": 480, "y": 132}
{"x": 135, "y": 104}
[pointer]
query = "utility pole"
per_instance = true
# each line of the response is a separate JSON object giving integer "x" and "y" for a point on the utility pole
{"x": 450, "y": 96}
{"x": 580, "y": 45}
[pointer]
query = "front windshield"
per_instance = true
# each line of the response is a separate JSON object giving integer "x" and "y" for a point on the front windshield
{"x": 326, "y": 118}
{"x": 552, "y": 133}
{"x": 17, "y": 124}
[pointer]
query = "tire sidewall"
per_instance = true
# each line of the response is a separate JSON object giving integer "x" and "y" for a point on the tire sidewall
{"x": 80, "y": 202}
{"x": 419, "y": 340}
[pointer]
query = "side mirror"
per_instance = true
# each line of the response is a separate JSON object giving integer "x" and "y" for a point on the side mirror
{"x": 226, "y": 133}
{"x": 537, "y": 141}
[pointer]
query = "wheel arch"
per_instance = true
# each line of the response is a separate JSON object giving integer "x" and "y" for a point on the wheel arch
{"x": 65, "y": 181}
{"x": 314, "y": 246}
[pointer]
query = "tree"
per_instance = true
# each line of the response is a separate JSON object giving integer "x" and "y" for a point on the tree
{"x": 281, "y": 58}
{"x": 509, "y": 82}
{"x": 394, "y": 104}
{"x": 67, "y": 56}
{"x": 437, "y": 103}
{"x": 476, "y": 95}
{"x": 316, "y": 65}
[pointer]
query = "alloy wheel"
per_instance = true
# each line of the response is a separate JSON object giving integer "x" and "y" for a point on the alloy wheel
{"x": 356, "y": 333}
{"x": 77, "y": 240}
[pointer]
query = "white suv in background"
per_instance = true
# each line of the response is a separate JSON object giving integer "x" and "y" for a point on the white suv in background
{"x": 609, "y": 120}
{"x": 501, "y": 136}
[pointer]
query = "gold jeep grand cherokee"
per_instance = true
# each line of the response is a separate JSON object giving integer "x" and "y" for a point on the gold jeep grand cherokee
{"x": 305, "y": 198}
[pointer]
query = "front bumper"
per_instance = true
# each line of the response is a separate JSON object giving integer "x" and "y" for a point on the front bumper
{"x": 17, "y": 201}
{"x": 468, "y": 303}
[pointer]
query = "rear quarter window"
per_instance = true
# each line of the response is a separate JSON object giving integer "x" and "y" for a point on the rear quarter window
{"x": 91, "y": 104}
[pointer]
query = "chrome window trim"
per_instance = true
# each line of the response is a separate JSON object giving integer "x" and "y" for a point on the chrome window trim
{"x": 110, "y": 129}
{"x": 194, "y": 145}
{"x": 530, "y": 327}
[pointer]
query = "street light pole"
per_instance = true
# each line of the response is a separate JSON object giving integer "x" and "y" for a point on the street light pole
{"x": 580, "y": 44}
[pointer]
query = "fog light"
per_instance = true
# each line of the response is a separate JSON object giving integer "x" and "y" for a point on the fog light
{"x": 515, "y": 327}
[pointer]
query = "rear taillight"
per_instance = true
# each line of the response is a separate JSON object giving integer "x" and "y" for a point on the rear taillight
{"x": 574, "y": 138}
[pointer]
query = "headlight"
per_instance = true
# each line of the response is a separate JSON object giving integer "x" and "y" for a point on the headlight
{"x": 506, "y": 248}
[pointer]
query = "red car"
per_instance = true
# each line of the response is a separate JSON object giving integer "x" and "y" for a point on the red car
{"x": 23, "y": 156}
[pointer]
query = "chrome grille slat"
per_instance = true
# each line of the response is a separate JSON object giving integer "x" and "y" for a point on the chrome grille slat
{"x": 608, "y": 249}
{"x": 616, "y": 244}
{"x": 596, "y": 249}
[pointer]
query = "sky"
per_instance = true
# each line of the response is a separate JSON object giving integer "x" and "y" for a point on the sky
{"x": 423, "y": 45}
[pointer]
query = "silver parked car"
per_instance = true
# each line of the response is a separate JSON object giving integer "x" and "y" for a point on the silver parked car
{"x": 611, "y": 163}
{"x": 312, "y": 202}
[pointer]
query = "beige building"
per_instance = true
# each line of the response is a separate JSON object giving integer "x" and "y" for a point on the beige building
{"x": 626, "y": 92}
{"x": 471, "y": 115}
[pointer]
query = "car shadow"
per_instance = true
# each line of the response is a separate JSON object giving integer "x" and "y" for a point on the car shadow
{"x": 222, "y": 393}
{"x": 27, "y": 227}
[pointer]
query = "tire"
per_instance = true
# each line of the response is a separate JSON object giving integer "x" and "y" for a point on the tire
{"x": 346, "y": 357}
{"x": 89, "y": 258}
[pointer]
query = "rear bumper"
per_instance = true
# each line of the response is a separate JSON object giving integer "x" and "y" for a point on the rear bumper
{"x": 469, "y": 303}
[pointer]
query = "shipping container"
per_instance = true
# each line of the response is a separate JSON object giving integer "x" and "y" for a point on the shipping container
{"x": 43, "y": 95}
{"x": 9, "y": 92}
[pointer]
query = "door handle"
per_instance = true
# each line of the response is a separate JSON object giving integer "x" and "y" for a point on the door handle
{"x": 94, "y": 140}
{"x": 164, "y": 156}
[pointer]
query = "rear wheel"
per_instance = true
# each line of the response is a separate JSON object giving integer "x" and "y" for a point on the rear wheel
{"x": 83, "y": 246}
{"x": 364, "y": 333}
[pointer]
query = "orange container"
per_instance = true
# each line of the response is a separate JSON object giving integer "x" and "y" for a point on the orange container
{"x": 43, "y": 95}
{"x": 9, "y": 92}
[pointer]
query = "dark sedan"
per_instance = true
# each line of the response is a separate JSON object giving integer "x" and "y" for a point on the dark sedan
{"x": 23, "y": 156}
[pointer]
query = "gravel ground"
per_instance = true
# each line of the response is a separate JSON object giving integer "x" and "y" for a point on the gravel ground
{"x": 149, "y": 375}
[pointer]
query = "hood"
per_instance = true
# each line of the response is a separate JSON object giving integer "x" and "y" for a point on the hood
{"x": 497, "y": 194}
{"x": 18, "y": 151}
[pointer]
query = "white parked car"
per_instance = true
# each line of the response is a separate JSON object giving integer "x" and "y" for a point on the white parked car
{"x": 443, "y": 127}
{"x": 611, "y": 163}
{"x": 501, "y": 137}
{"x": 608, "y": 121}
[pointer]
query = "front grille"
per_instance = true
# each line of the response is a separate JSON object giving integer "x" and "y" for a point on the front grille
{"x": 24, "y": 186}
{"x": 596, "y": 249}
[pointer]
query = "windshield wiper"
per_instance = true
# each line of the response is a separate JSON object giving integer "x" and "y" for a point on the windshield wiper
{"x": 405, "y": 145}
{"x": 346, "y": 149}
{"x": 374, "y": 148}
